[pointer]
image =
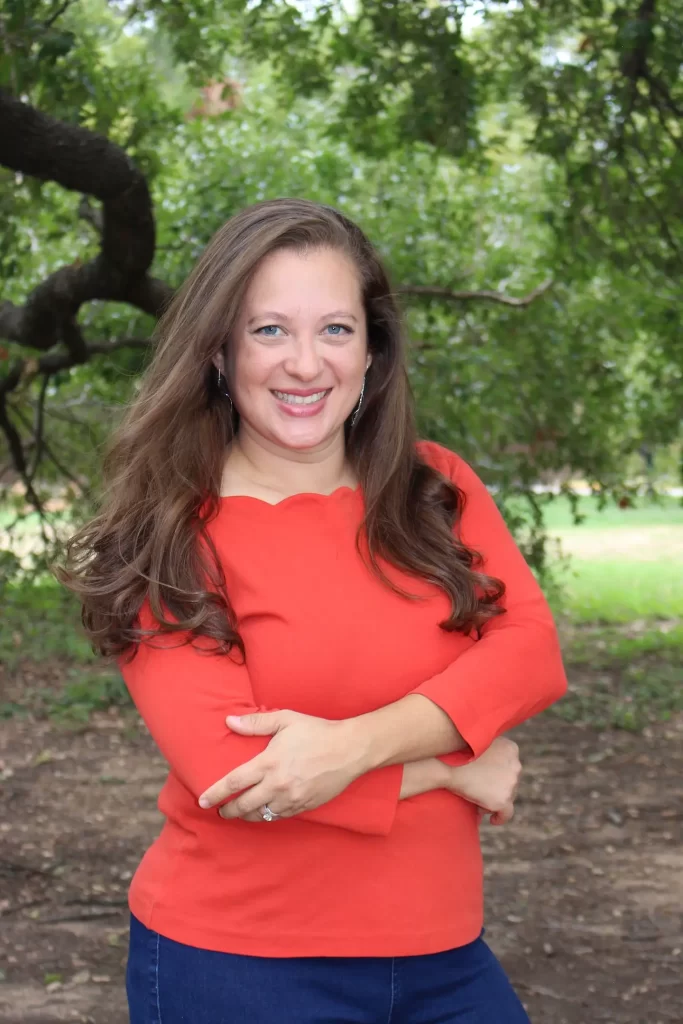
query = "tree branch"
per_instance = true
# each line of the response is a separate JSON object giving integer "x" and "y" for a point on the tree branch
{"x": 58, "y": 13}
{"x": 36, "y": 144}
{"x": 17, "y": 452}
{"x": 51, "y": 455}
{"x": 27, "y": 369}
{"x": 470, "y": 296}
{"x": 633, "y": 63}
{"x": 38, "y": 431}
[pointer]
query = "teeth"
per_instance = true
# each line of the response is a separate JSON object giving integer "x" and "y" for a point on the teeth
{"x": 299, "y": 399}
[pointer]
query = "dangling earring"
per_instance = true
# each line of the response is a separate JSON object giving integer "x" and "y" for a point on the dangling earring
{"x": 360, "y": 401}
{"x": 224, "y": 391}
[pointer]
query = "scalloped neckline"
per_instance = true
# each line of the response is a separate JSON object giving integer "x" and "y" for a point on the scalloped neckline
{"x": 300, "y": 495}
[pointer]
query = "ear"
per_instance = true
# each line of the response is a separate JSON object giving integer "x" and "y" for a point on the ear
{"x": 219, "y": 361}
{"x": 368, "y": 361}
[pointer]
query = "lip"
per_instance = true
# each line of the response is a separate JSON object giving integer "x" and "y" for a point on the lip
{"x": 301, "y": 411}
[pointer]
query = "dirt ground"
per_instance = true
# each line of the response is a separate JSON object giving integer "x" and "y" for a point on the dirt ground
{"x": 584, "y": 893}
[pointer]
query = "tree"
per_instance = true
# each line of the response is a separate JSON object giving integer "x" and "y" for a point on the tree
{"x": 476, "y": 211}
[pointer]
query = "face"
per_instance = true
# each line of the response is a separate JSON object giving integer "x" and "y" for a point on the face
{"x": 299, "y": 351}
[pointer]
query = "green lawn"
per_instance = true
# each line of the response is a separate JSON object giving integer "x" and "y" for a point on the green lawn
{"x": 610, "y": 591}
{"x": 667, "y": 512}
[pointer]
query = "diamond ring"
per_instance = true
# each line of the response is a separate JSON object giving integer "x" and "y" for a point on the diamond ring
{"x": 267, "y": 814}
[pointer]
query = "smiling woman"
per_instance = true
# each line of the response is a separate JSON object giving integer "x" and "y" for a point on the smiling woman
{"x": 295, "y": 375}
{"x": 327, "y": 627}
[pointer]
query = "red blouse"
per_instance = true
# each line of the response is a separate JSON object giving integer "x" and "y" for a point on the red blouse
{"x": 365, "y": 874}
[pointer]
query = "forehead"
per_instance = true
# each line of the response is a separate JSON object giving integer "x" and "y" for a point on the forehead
{"x": 304, "y": 280}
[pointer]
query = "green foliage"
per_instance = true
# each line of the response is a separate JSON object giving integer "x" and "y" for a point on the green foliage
{"x": 477, "y": 155}
{"x": 623, "y": 681}
{"x": 82, "y": 694}
{"x": 79, "y": 64}
{"x": 41, "y": 627}
{"x": 41, "y": 620}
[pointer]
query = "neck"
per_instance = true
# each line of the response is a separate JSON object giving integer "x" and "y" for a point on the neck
{"x": 286, "y": 471}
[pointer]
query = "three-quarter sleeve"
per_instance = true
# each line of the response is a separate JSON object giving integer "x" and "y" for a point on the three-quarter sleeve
{"x": 515, "y": 669}
{"x": 184, "y": 695}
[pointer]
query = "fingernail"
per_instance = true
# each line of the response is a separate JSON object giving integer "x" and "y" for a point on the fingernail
{"x": 234, "y": 719}
{"x": 203, "y": 802}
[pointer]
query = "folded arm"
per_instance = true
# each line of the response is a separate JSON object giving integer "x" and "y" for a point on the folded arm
{"x": 183, "y": 696}
{"x": 514, "y": 671}
{"x": 511, "y": 673}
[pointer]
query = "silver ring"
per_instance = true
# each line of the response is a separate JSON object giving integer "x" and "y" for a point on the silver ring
{"x": 267, "y": 814}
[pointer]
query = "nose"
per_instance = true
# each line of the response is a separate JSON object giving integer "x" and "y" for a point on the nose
{"x": 304, "y": 359}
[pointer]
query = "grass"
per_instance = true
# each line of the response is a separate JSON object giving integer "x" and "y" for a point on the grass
{"x": 41, "y": 621}
{"x": 621, "y": 680}
{"x": 604, "y": 591}
{"x": 605, "y": 580}
{"x": 71, "y": 703}
{"x": 557, "y": 515}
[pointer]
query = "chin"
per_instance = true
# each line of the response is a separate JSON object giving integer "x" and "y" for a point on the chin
{"x": 303, "y": 442}
{"x": 304, "y": 438}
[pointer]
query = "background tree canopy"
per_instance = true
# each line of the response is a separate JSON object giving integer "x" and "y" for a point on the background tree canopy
{"x": 518, "y": 165}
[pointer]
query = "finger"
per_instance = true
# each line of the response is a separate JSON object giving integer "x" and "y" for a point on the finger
{"x": 504, "y": 815}
{"x": 255, "y": 817}
{"x": 251, "y": 801}
{"x": 249, "y": 774}
{"x": 259, "y": 724}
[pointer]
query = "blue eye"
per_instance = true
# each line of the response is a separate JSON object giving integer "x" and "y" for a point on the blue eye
{"x": 338, "y": 330}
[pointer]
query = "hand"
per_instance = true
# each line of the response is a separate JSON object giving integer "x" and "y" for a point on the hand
{"x": 307, "y": 762}
{"x": 491, "y": 780}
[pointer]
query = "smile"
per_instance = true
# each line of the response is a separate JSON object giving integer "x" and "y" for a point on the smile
{"x": 290, "y": 399}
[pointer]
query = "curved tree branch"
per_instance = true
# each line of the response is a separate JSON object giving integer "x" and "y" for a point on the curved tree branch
{"x": 35, "y": 144}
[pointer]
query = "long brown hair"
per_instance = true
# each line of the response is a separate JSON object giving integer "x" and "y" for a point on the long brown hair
{"x": 163, "y": 466}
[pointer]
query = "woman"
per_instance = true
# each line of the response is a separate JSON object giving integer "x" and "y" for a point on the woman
{"x": 356, "y": 630}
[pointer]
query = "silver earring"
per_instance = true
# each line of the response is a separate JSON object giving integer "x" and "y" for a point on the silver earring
{"x": 224, "y": 391}
{"x": 354, "y": 416}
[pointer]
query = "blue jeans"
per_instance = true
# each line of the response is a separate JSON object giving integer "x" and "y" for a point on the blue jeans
{"x": 170, "y": 983}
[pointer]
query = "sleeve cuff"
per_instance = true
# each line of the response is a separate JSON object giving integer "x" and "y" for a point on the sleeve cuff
{"x": 368, "y": 805}
{"x": 476, "y": 729}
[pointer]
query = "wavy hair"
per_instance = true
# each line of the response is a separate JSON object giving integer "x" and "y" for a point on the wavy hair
{"x": 163, "y": 464}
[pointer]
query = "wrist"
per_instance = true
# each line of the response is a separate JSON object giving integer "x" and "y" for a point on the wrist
{"x": 358, "y": 745}
{"x": 459, "y": 779}
{"x": 441, "y": 774}
{"x": 423, "y": 777}
{"x": 367, "y": 742}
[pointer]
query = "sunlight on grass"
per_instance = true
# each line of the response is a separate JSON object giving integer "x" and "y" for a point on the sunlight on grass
{"x": 611, "y": 591}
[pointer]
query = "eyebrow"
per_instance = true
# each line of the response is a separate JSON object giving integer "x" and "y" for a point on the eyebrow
{"x": 273, "y": 314}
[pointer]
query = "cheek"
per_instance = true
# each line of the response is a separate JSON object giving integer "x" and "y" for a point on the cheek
{"x": 253, "y": 368}
{"x": 349, "y": 368}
